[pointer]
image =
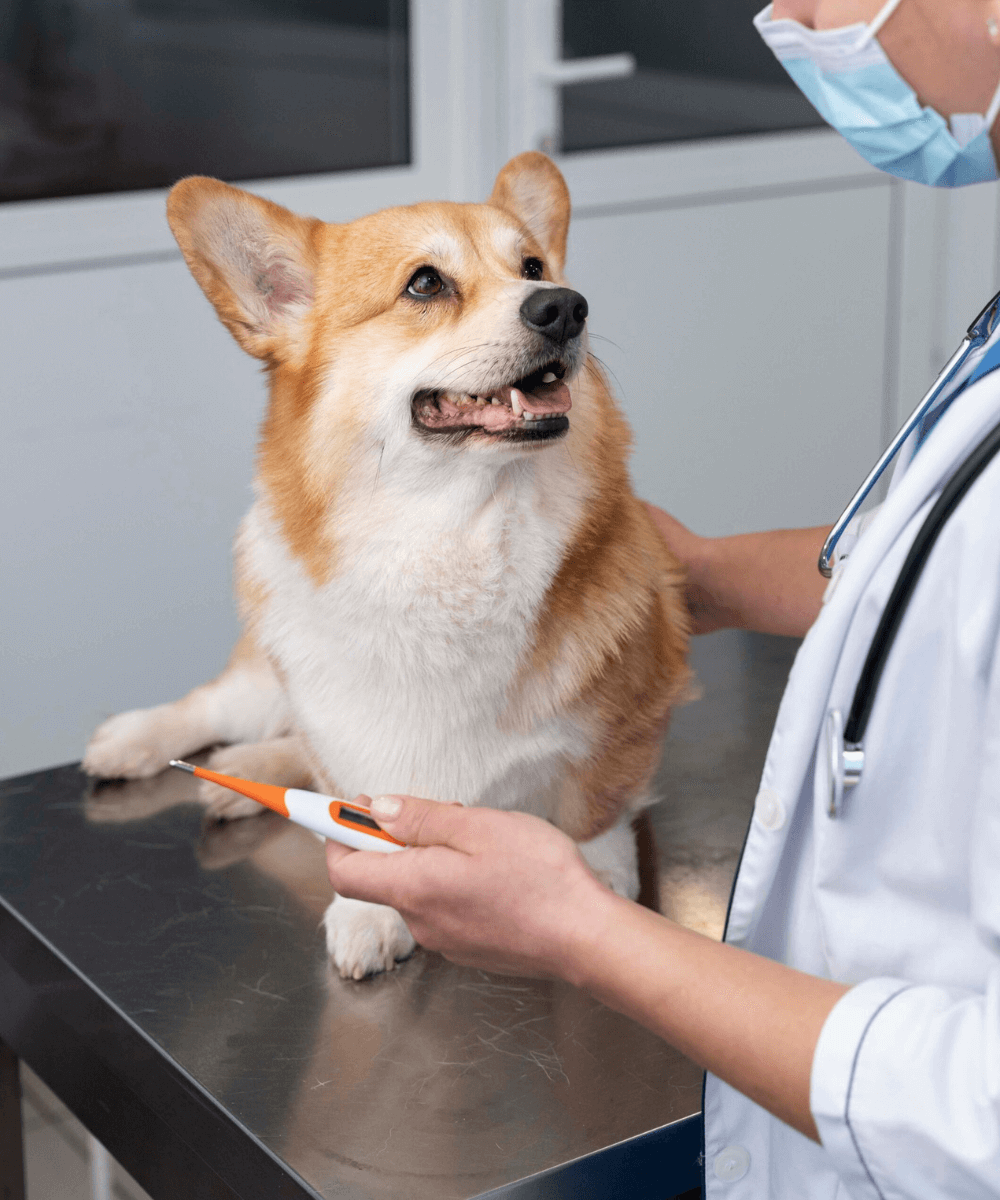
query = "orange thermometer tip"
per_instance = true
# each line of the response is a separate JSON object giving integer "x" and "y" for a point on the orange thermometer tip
{"x": 264, "y": 793}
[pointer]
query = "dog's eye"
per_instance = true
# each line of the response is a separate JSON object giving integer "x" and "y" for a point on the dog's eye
{"x": 532, "y": 268}
{"x": 425, "y": 282}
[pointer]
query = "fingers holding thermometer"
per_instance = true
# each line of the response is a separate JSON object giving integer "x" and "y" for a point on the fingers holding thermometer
{"x": 426, "y": 824}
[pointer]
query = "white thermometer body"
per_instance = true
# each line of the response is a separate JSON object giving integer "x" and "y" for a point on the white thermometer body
{"x": 350, "y": 824}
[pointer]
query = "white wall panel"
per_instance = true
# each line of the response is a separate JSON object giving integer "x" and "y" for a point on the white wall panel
{"x": 748, "y": 342}
{"x": 129, "y": 420}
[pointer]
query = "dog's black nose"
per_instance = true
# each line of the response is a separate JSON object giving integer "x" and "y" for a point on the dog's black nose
{"x": 557, "y": 312}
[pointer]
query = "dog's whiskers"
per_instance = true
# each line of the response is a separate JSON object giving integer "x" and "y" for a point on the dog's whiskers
{"x": 378, "y": 469}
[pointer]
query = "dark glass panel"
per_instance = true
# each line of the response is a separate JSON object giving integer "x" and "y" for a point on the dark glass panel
{"x": 702, "y": 71}
{"x": 113, "y": 95}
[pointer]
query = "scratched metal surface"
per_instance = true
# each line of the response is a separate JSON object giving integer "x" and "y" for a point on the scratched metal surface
{"x": 433, "y": 1081}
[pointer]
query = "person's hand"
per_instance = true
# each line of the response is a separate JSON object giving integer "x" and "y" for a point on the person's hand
{"x": 708, "y": 613}
{"x": 507, "y": 892}
{"x": 762, "y": 581}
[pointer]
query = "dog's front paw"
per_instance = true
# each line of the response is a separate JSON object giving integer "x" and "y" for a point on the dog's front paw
{"x": 363, "y": 939}
{"x": 132, "y": 745}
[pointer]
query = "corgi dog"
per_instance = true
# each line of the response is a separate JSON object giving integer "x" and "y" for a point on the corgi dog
{"x": 447, "y": 585}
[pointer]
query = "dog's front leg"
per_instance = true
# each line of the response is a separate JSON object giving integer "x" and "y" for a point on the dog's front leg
{"x": 613, "y": 857}
{"x": 246, "y": 703}
{"x": 364, "y": 939}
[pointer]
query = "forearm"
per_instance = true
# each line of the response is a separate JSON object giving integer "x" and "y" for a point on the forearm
{"x": 752, "y": 1022}
{"x": 768, "y": 582}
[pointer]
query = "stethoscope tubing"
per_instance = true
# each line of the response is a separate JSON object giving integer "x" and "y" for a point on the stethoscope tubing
{"x": 977, "y": 335}
{"x": 892, "y": 616}
{"x": 845, "y": 740}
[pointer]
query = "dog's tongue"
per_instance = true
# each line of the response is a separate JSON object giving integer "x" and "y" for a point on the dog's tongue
{"x": 546, "y": 399}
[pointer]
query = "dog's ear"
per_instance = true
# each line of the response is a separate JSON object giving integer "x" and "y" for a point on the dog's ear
{"x": 254, "y": 260}
{"x": 531, "y": 188}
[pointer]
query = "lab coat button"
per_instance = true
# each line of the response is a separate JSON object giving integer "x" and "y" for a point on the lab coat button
{"x": 769, "y": 810}
{"x": 732, "y": 1164}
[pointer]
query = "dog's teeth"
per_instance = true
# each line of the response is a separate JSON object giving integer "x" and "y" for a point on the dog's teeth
{"x": 549, "y": 377}
{"x": 529, "y": 416}
{"x": 494, "y": 400}
{"x": 516, "y": 401}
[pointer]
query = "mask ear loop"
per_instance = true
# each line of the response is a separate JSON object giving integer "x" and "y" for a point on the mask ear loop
{"x": 875, "y": 28}
{"x": 993, "y": 111}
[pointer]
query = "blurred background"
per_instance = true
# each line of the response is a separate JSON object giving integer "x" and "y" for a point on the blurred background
{"x": 769, "y": 307}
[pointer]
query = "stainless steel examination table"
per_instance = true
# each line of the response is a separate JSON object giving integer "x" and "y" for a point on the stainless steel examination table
{"x": 169, "y": 982}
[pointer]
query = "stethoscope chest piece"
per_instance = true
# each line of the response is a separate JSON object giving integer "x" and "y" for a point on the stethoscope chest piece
{"x": 845, "y": 763}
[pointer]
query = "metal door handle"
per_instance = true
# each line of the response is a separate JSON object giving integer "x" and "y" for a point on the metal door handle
{"x": 537, "y": 70}
{"x": 587, "y": 70}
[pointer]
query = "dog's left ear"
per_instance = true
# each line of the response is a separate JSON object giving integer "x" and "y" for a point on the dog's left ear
{"x": 254, "y": 260}
{"x": 531, "y": 188}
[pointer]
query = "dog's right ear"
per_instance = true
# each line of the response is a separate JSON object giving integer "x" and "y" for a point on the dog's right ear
{"x": 531, "y": 188}
{"x": 254, "y": 260}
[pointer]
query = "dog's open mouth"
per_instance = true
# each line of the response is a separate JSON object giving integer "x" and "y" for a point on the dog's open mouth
{"x": 533, "y": 408}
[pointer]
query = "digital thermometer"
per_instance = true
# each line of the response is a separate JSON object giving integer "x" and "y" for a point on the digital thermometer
{"x": 351, "y": 824}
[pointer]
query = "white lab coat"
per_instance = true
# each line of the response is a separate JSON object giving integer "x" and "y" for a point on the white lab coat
{"x": 900, "y": 896}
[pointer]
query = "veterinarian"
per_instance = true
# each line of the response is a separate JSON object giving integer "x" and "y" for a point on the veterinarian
{"x": 850, "y": 1021}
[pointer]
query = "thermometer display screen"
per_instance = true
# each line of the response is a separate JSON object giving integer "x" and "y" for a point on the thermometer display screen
{"x": 352, "y": 817}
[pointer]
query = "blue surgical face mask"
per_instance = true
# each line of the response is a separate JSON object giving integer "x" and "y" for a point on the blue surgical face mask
{"x": 857, "y": 90}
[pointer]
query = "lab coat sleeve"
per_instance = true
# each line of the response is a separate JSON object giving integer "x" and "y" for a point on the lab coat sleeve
{"x": 905, "y": 1091}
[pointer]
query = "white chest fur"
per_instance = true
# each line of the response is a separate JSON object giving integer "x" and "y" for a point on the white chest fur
{"x": 399, "y": 667}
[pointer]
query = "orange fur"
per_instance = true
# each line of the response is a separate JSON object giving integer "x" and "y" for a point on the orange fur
{"x": 611, "y": 642}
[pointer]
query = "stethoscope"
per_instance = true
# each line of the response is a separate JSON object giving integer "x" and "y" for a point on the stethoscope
{"x": 845, "y": 740}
